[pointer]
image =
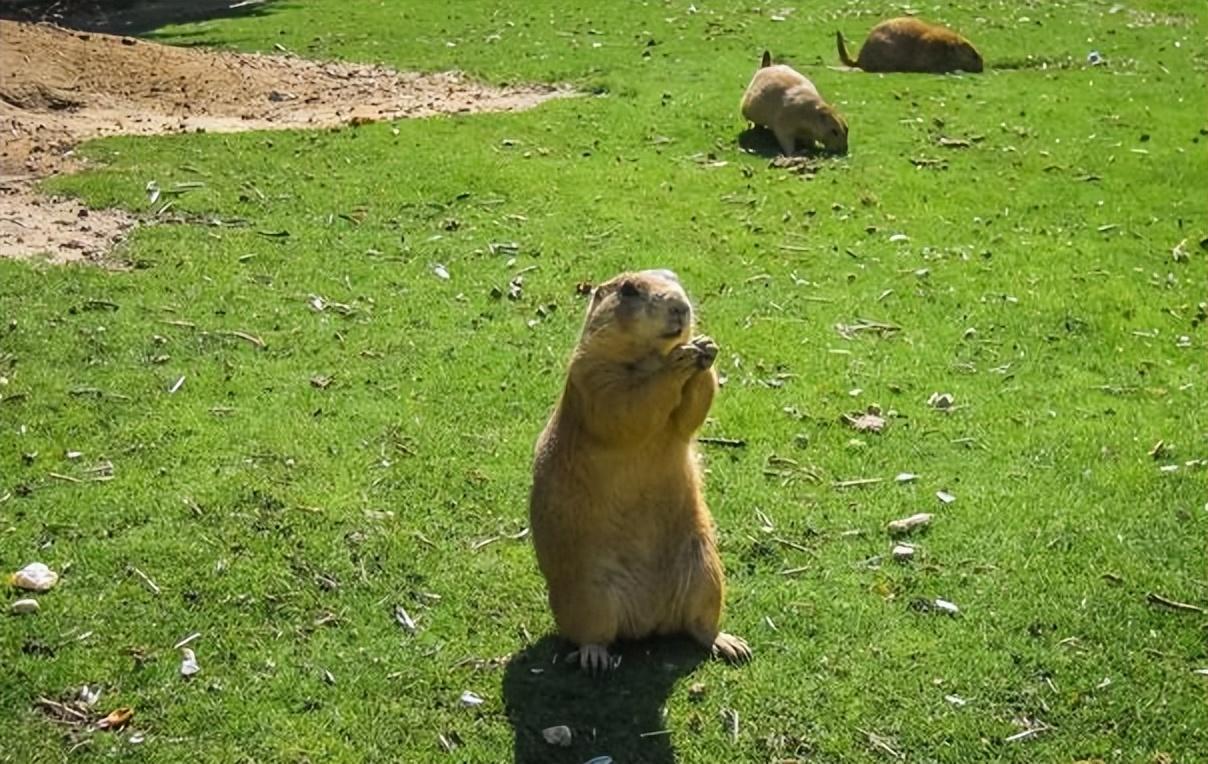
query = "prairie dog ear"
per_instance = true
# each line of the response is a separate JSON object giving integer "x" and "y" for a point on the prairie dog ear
{"x": 665, "y": 273}
{"x": 767, "y": 60}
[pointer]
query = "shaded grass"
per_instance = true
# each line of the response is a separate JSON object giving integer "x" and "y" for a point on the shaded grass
{"x": 258, "y": 502}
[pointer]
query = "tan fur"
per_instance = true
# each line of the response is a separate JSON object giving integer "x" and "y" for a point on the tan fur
{"x": 787, "y": 103}
{"x": 622, "y": 533}
{"x": 909, "y": 45}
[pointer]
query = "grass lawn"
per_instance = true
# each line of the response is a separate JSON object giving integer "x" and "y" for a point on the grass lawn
{"x": 375, "y": 451}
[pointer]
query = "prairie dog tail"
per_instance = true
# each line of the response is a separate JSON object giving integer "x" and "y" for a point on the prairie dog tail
{"x": 846, "y": 59}
{"x": 766, "y": 61}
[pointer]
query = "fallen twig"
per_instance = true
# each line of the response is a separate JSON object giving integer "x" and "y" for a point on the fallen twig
{"x": 1025, "y": 734}
{"x": 195, "y": 635}
{"x": 146, "y": 580}
{"x": 1158, "y": 599}
{"x": 259, "y": 343}
{"x": 794, "y": 545}
{"x": 727, "y": 442}
{"x": 856, "y": 482}
{"x": 878, "y": 742}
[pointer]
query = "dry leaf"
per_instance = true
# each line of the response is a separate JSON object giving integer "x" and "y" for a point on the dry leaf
{"x": 865, "y": 422}
{"x": 941, "y": 401}
{"x": 404, "y": 619}
{"x": 1179, "y": 253}
{"x": 117, "y": 718}
{"x": 908, "y": 524}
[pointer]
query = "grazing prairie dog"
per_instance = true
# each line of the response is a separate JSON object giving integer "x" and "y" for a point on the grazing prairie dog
{"x": 787, "y": 103}
{"x": 909, "y": 45}
{"x": 623, "y": 536}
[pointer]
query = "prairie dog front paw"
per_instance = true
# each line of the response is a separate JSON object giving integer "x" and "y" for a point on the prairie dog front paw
{"x": 706, "y": 351}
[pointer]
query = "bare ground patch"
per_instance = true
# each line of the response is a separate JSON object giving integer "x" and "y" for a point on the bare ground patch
{"x": 62, "y": 87}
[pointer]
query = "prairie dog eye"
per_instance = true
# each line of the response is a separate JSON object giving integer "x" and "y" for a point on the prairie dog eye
{"x": 629, "y": 290}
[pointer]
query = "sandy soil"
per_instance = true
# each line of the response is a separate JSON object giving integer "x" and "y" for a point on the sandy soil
{"x": 59, "y": 87}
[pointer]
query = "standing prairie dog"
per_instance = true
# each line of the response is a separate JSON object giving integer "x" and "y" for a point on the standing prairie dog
{"x": 909, "y": 45}
{"x": 786, "y": 102}
{"x": 623, "y": 536}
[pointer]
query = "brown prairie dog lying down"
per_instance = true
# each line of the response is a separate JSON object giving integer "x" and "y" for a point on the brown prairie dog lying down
{"x": 787, "y": 103}
{"x": 622, "y": 534}
{"x": 909, "y": 45}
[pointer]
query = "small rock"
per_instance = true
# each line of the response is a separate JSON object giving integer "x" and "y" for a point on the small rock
{"x": 559, "y": 735}
{"x": 34, "y": 577}
{"x": 944, "y": 606}
{"x": 941, "y": 401}
{"x": 188, "y": 663}
{"x": 945, "y": 497}
{"x": 470, "y": 700}
{"x": 23, "y": 607}
{"x": 902, "y": 552}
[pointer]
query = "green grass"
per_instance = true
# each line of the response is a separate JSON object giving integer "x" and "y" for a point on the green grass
{"x": 255, "y": 499}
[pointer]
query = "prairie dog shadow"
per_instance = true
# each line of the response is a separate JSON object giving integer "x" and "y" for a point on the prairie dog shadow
{"x": 607, "y": 715}
{"x": 759, "y": 141}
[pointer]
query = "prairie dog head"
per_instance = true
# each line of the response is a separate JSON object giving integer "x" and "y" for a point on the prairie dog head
{"x": 635, "y": 314}
{"x": 965, "y": 56}
{"x": 832, "y": 129}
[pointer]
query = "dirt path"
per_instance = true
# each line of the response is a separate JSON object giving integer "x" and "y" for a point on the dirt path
{"x": 59, "y": 87}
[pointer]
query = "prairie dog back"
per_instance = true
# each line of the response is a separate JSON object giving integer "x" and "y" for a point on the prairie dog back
{"x": 786, "y": 102}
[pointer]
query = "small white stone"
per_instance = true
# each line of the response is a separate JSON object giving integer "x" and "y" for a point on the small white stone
{"x": 944, "y": 606}
{"x": 470, "y": 700}
{"x": 35, "y": 577}
{"x": 902, "y": 552}
{"x": 559, "y": 735}
{"x": 22, "y": 607}
{"x": 188, "y": 662}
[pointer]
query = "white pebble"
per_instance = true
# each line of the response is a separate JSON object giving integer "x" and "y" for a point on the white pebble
{"x": 35, "y": 577}
{"x": 22, "y": 607}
